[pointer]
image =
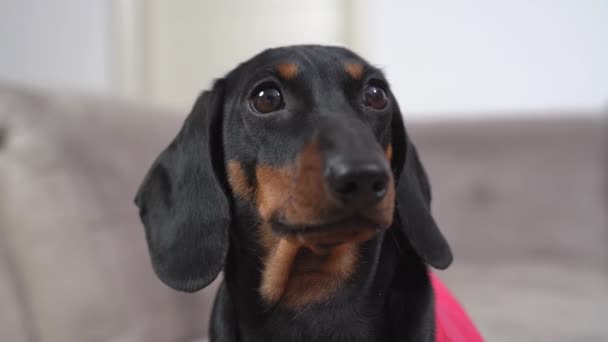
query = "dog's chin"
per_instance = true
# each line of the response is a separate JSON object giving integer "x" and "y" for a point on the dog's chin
{"x": 308, "y": 263}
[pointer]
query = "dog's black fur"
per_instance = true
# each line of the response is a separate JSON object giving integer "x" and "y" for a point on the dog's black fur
{"x": 196, "y": 226}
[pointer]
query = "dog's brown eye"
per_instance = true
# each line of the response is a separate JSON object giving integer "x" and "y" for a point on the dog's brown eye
{"x": 267, "y": 99}
{"x": 374, "y": 96}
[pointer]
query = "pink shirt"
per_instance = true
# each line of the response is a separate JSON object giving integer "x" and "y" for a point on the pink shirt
{"x": 452, "y": 322}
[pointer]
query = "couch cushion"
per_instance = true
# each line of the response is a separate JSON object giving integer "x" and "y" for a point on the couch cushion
{"x": 12, "y": 316}
{"x": 69, "y": 169}
{"x": 523, "y": 205}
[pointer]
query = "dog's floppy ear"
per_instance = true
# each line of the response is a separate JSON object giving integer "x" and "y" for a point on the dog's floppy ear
{"x": 182, "y": 201}
{"x": 414, "y": 199}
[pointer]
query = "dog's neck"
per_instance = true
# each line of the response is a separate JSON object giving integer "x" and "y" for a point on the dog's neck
{"x": 388, "y": 298}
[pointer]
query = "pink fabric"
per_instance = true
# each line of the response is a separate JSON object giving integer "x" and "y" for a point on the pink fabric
{"x": 452, "y": 322}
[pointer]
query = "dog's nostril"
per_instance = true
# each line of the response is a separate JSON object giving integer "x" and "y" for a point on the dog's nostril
{"x": 347, "y": 189}
{"x": 379, "y": 187}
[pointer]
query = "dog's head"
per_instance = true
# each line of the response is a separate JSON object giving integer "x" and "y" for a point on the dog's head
{"x": 310, "y": 140}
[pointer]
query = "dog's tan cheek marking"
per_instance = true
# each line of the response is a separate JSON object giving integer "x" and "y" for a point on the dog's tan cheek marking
{"x": 384, "y": 212}
{"x": 287, "y": 71}
{"x": 387, "y": 206}
{"x": 238, "y": 180}
{"x": 273, "y": 186}
{"x": 389, "y": 152}
{"x": 355, "y": 70}
{"x": 267, "y": 239}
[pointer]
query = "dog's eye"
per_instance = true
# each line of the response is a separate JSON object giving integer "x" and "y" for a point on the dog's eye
{"x": 266, "y": 99}
{"x": 374, "y": 96}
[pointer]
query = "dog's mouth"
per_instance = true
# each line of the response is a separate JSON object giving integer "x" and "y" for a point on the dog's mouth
{"x": 321, "y": 238}
{"x": 309, "y": 262}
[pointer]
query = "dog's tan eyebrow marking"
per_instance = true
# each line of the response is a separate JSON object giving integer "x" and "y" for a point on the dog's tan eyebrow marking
{"x": 389, "y": 152}
{"x": 287, "y": 71}
{"x": 355, "y": 70}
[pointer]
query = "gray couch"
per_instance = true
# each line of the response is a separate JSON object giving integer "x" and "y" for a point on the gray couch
{"x": 522, "y": 203}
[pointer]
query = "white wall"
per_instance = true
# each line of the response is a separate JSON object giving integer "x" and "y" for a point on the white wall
{"x": 55, "y": 43}
{"x": 189, "y": 43}
{"x": 483, "y": 57}
{"x": 444, "y": 58}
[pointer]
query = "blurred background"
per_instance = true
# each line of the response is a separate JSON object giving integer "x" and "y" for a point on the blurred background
{"x": 462, "y": 59}
{"x": 506, "y": 100}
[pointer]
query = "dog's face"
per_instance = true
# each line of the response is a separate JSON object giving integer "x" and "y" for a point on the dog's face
{"x": 310, "y": 140}
{"x": 307, "y": 140}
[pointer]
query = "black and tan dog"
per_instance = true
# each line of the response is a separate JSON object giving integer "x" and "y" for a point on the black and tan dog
{"x": 295, "y": 176}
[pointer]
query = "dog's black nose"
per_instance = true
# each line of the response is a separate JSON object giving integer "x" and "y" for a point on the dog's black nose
{"x": 357, "y": 183}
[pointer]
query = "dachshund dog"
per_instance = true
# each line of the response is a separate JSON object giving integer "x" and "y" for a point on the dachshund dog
{"x": 296, "y": 177}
